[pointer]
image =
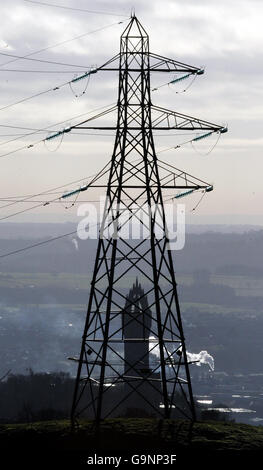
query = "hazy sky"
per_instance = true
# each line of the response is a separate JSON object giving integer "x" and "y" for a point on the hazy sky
{"x": 225, "y": 37}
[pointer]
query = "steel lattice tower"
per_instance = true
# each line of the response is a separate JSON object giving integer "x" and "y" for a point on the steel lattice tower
{"x": 135, "y": 192}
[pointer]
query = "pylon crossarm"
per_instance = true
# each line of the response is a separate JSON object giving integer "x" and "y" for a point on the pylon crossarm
{"x": 188, "y": 178}
{"x": 187, "y": 123}
{"x": 178, "y": 178}
{"x": 171, "y": 65}
{"x": 160, "y": 64}
{"x": 175, "y": 120}
{"x": 135, "y": 186}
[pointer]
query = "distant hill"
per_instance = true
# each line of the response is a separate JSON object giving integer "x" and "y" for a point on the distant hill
{"x": 13, "y": 230}
{"x": 215, "y": 251}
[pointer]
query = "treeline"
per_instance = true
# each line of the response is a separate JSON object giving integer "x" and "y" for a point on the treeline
{"x": 44, "y": 396}
{"x": 35, "y": 397}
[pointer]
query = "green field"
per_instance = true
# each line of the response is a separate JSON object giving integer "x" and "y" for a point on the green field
{"x": 243, "y": 285}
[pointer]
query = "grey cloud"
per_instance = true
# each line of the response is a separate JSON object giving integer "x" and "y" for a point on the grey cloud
{"x": 228, "y": 92}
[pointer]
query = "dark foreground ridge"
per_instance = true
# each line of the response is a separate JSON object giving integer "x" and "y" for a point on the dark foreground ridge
{"x": 51, "y": 442}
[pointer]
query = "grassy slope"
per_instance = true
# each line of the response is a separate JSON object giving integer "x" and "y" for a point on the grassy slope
{"x": 53, "y": 440}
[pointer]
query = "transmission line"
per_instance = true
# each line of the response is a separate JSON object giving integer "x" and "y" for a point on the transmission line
{"x": 101, "y": 173}
{"x": 63, "y": 42}
{"x": 49, "y": 240}
{"x": 46, "y": 128}
{"x": 97, "y": 12}
{"x": 68, "y": 82}
{"x": 41, "y": 71}
{"x": 41, "y": 60}
{"x": 20, "y": 250}
{"x": 48, "y": 192}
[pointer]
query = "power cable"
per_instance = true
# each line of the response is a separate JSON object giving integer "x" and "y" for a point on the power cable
{"x": 86, "y": 74}
{"x": 63, "y": 42}
{"x": 44, "y": 242}
{"x": 72, "y": 133}
{"x": 179, "y": 79}
{"x": 102, "y": 172}
{"x": 51, "y": 191}
{"x": 211, "y": 148}
{"x": 199, "y": 202}
{"x": 97, "y": 12}
{"x": 42, "y": 60}
{"x": 46, "y": 128}
{"x": 41, "y": 71}
{"x": 20, "y": 250}
{"x": 18, "y": 201}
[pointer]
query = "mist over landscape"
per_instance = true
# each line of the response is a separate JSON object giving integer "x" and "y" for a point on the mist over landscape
{"x": 44, "y": 293}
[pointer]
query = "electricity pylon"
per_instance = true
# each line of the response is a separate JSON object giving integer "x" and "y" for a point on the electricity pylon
{"x": 135, "y": 194}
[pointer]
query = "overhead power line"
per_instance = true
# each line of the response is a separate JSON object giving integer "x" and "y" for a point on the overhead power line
{"x": 72, "y": 133}
{"x": 96, "y": 12}
{"x": 63, "y": 42}
{"x": 98, "y": 175}
{"x": 20, "y": 250}
{"x": 44, "y": 242}
{"x": 42, "y": 71}
{"x": 46, "y": 128}
{"x": 49, "y": 192}
{"x": 18, "y": 201}
{"x": 33, "y": 96}
{"x": 85, "y": 75}
{"x": 42, "y": 60}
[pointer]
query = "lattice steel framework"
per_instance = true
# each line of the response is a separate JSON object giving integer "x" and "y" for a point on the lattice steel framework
{"x": 135, "y": 194}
